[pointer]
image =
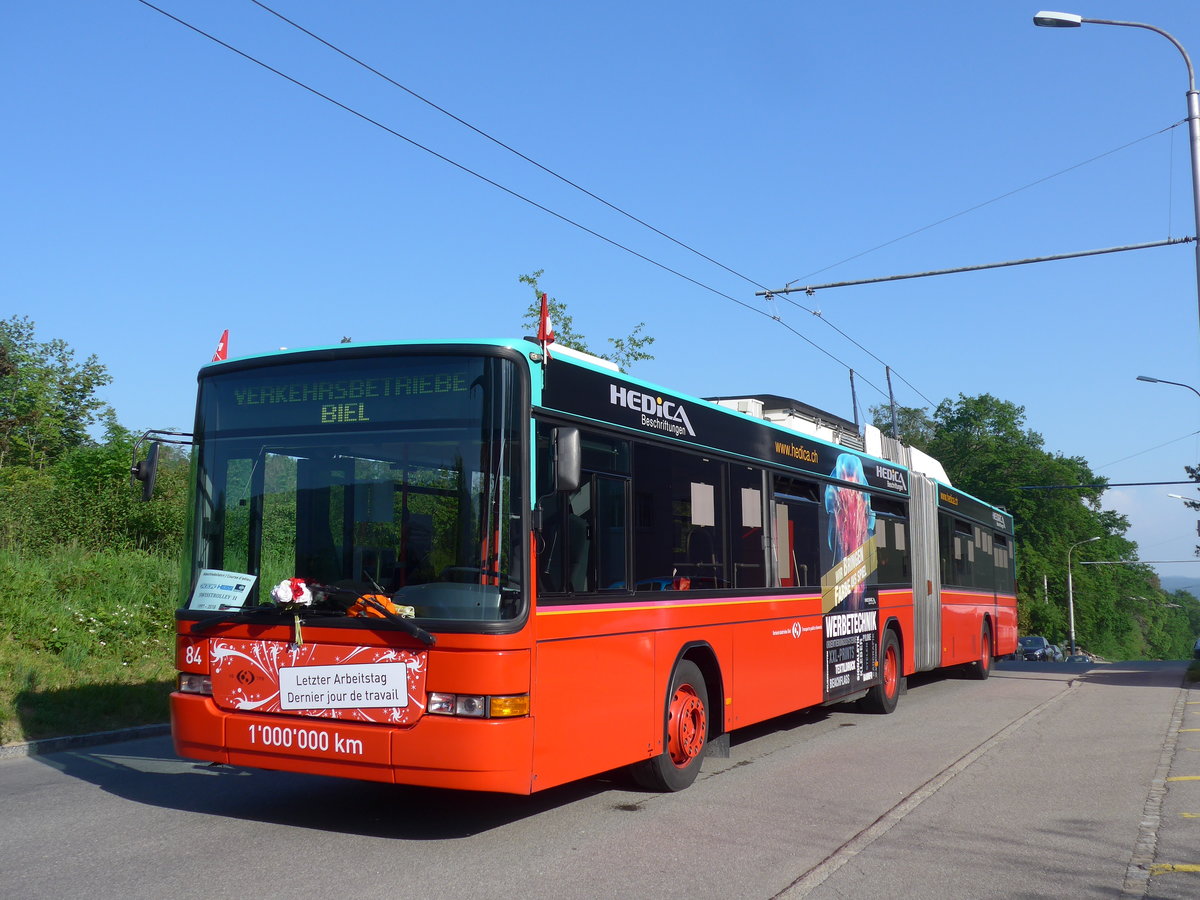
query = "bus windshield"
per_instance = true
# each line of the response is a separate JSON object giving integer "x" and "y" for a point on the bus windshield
{"x": 395, "y": 476}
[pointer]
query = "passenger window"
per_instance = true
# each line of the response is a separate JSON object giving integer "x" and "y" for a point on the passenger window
{"x": 797, "y": 533}
{"x": 679, "y": 520}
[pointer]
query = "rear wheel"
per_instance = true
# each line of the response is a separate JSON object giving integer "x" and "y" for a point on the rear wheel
{"x": 884, "y": 696}
{"x": 685, "y": 734}
{"x": 982, "y": 667}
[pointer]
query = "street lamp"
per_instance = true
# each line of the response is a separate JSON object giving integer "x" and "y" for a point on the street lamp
{"x": 1069, "y": 20}
{"x": 1071, "y": 588}
{"x": 1163, "y": 381}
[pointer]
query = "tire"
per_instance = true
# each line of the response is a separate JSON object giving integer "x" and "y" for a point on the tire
{"x": 883, "y": 697}
{"x": 685, "y": 734}
{"x": 982, "y": 667}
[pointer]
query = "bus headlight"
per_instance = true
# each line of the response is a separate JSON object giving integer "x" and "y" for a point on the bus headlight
{"x": 194, "y": 684}
{"x": 470, "y": 705}
{"x": 477, "y": 706}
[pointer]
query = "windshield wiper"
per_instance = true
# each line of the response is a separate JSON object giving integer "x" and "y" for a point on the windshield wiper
{"x": 246, "y": 615}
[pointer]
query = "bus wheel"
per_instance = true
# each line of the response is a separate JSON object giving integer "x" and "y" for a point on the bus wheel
{"x": 685, "y": 734}
{"x": 884, "y": 696}
{"x": 982, "y": 667}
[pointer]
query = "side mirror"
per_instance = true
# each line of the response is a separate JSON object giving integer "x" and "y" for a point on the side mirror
{"x": 568, "y": 459}
{"x": 146, "y": 471}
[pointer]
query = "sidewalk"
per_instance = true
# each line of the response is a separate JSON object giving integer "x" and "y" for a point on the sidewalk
{"x": 1174, "y": 870}
{"x": 75, "y": 742}
{"x": 1076, "y": 801}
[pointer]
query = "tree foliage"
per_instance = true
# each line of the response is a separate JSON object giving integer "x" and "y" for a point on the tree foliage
{"x": 625, "y": 352}
{"x": 47, "y": 399}
{"x": 58, "y": 484}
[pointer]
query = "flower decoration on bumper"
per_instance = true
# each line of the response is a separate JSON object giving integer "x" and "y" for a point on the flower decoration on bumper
{"x": 293, "y": 595}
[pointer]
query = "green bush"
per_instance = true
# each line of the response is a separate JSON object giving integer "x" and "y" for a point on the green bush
{"x": 78, "y": 624}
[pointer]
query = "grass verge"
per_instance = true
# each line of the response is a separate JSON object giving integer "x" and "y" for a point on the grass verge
{"x": 86, "y": 641}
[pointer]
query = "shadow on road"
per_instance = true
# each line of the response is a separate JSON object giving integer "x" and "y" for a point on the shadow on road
{"x": 90, "y": 708}
{"x": 1128, "y": 674}
{"x": 148, "y": 772}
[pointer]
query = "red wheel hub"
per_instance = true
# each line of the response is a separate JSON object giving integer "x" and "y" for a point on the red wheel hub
{"x": 687, "y": 726}
{"x": 890, "y": 672}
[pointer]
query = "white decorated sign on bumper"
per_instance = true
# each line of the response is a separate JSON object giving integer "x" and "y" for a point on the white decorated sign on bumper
{"x": 343, "y": 686}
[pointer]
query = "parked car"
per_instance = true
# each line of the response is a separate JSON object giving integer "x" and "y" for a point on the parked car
{"x": 1035, "y": 648}
{"x": 1196, "y": 649}
{"x": 1056, "y": 653}
{"x": 1079, "y": 658}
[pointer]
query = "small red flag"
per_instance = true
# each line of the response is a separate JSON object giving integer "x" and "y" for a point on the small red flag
{"x": 545, "y": 333}
{"x": 222, "y": 347}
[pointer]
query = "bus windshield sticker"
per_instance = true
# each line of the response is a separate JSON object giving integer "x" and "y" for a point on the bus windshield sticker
{"x": 217, "y": 589}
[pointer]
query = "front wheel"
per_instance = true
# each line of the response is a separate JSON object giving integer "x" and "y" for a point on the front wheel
{"x": 685, "y": 734}
{"x": 884, "y": 696}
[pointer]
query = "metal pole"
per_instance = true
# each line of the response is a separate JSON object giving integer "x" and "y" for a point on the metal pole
{"x": 1071, "y": 588}
{"x": 1193, "y": 115}
{"x": 1193, "y": 104}
{"x": 854, "y": 402}
{"x": 1154, "y": 380}
{"x": 1071, "y": 601}
{"x": 892, "y": 401}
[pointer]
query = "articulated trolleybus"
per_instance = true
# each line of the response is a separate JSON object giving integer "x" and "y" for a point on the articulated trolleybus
{"x": 470, "y": 566}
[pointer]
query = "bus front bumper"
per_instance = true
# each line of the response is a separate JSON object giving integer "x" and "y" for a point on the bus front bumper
{"x": 436, "y": 751}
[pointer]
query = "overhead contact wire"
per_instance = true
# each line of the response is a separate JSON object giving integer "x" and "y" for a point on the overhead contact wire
{"x": 497, "y": 185}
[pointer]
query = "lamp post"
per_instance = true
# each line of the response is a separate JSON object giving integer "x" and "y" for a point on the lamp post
{"x": 1071, "y": 588}
{"x": 1164, "y": 381}
{"x": 1048, "y": 19}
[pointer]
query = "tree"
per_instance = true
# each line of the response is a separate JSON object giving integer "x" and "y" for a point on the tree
{"x": 913, "y": 425}
{"x": 626, "y": 351}
{"x": 47, "y": 399}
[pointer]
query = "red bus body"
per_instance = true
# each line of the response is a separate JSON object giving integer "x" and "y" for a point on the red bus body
{"x": 590, "y": 671}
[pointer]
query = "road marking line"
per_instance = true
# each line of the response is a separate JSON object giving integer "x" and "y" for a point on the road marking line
{"x": 1184, "y": 778}
{"x": 1164, "y": 868}
{"x": 1189, "y": 815}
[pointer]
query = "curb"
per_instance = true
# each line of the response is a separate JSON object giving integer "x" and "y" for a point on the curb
{"x": 78, "y": 741}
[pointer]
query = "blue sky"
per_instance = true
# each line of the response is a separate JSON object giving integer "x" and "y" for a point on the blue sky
{"x": 159, "y": 188}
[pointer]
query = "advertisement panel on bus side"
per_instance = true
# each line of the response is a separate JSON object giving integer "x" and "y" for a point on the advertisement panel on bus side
{"x": 604, "y": 397}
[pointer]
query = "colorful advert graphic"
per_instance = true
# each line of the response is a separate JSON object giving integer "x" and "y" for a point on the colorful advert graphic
{"x": 851, "y": 654}
{"x": 847, "y": 595}
{"x": 850, "y": 538}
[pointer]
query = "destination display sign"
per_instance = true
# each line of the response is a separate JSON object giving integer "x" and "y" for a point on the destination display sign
{"x": 371, "y": 391}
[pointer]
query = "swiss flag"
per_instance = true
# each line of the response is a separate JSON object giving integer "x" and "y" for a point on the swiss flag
{"x": 545, "y": 333}
{"x": 222, "y": 347}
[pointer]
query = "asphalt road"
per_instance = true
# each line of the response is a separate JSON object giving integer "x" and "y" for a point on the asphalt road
{"x": 1047, "y": 780}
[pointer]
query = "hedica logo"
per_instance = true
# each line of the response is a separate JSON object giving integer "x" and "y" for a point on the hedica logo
{"x": 657, "y": 413}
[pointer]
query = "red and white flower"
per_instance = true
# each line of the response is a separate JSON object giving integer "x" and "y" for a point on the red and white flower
{"x": 292, "y": 593}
